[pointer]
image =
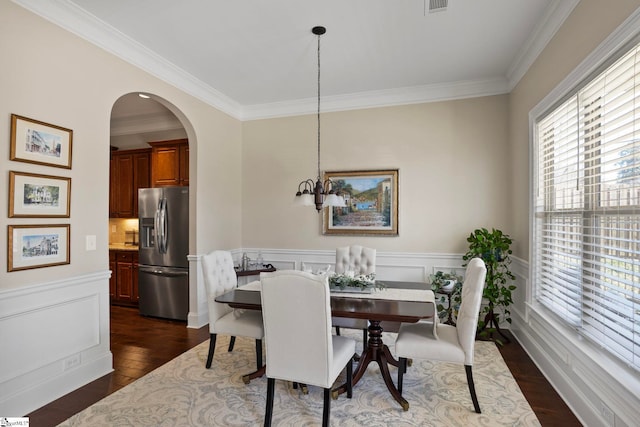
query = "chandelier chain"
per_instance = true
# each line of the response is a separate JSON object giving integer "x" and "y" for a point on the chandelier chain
{"x": 321, "y": 194}
{"x": 318, "y": 107}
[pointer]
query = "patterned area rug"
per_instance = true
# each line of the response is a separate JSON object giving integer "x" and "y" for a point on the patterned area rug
{"x": 184, "y": 393}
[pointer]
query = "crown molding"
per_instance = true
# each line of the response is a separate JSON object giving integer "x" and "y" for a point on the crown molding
{"x": 380, "y": 98}
{"x": 555, "y": 16}
{"x": 143, "y": 123}
{"x": 627, "y": 32}
{"x": 74, "y": 19}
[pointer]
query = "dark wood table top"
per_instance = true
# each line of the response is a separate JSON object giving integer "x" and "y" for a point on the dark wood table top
{"x": 355, "y": 308}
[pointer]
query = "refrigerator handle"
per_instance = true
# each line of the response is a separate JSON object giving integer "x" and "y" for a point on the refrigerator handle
{"x": 164, "y": 271}
{"x": 156, "y": 228}
{"x": 163, "y": 224}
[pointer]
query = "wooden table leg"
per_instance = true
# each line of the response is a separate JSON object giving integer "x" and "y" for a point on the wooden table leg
{"x": 257, "y": 374}
{"x": 376, "y": 351}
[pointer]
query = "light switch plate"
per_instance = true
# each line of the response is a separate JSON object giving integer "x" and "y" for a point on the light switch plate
{"x": 91, "y": 242}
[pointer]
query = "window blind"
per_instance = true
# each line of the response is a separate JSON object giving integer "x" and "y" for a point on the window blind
{"x": 587, "y": 209}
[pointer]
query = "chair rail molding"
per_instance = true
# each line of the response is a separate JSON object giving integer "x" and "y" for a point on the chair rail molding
{"x": 70, "y": 319}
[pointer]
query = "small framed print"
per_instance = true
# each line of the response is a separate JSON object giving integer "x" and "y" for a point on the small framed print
{"x": 33, "y": 141}
{"x": 38, "y": 196}
{"x": 37, "y": 246}
{"x": 371, "y": 199}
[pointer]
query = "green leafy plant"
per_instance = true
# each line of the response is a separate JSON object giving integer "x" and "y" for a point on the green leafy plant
{"x": 450, "y": 285}
{"x": 362, "y": 281}
{"x": 494, "y": 248}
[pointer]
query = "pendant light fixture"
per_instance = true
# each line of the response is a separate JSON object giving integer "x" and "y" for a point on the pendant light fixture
{"x": 321, "y": 193}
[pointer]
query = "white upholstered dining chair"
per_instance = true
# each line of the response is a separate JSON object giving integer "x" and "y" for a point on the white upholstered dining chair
{"x": 220, "y": 277}
{"x": 360, "y": 260}
{"x": 299, "y": 345}
{"x": 447, "y": 343}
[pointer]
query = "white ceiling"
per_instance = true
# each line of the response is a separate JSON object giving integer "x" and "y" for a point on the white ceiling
{"x": 257, "y": 58}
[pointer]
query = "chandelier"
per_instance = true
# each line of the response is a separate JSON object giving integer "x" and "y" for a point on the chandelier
{"x": 321, "y": 193}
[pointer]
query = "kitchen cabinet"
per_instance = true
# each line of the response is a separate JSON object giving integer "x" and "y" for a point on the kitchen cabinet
{"x": 129, "y": 170}
{"x": 123, "y": 285}
{"x": 170, "y": 163}
{"x": 112, "y": 279}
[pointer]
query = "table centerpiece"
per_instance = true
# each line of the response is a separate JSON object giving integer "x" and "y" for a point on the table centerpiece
{"x": 354, "y": 283}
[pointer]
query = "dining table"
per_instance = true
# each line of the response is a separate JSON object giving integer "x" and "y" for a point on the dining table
{"x": 396, "y": 302}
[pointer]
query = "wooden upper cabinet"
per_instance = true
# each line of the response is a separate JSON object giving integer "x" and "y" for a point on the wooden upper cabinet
{"x": 129, "y": 171}
{"x": 124, "y": 199}
{"x": 169, "y": 163}
{"x": 184, "y": 164}
{"x": 141, "y": 175}
{"x": 113, "y": 182}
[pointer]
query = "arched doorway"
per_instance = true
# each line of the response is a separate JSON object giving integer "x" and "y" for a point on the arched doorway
{"x": 139, "y": 121}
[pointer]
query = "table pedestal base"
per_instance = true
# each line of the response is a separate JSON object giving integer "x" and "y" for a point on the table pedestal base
{"x": 257, "y": 374}
{"x": 376, "y": 351}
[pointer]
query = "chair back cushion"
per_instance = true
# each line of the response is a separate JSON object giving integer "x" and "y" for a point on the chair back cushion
{"x": 219, "y": 277}
{"x": 355, "y": 258}
{"x": 467, "y": 321}
{"x": 297, "y": 327}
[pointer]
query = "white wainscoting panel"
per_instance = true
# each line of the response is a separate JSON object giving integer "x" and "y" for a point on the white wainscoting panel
{"x": 597, "y": 388}
{"x": 413, "y": 267}
{"x": 55, "y": 338}
{"x": 198, "y": 306}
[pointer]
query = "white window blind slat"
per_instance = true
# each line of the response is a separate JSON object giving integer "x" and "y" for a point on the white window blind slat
{"x": 587, "y": 209}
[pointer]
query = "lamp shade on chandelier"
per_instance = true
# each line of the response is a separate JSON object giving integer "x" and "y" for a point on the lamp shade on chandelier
{"x": 319, "y": 194}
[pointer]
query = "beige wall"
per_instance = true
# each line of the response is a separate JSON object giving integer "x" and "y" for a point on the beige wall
{"x": 589, "y": 24}
{"x": 453, "y": 172}
{"x": 51, "y": 75}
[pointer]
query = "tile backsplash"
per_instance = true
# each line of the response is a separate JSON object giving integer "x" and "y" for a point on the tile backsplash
{"x": 123, "y": 230}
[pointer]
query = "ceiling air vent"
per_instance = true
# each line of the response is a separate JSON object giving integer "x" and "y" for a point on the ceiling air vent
{"x": 438, "y": 5}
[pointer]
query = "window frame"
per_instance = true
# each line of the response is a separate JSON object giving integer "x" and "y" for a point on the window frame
{"x": 620, "y": 42}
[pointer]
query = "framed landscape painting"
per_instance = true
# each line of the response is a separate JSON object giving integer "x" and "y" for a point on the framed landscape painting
{"x": 38, "y": 196}
{"x": 36, "y": 246}
{"x": 371, "y": 199}
{"x": 33, "y": 141}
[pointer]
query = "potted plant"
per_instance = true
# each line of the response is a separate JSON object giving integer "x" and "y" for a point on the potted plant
{"x": 450, "y": 285}
{"x": 494, "y": 248}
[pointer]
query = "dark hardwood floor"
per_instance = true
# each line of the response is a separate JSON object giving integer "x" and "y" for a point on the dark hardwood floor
{"x": 140, "y": 344}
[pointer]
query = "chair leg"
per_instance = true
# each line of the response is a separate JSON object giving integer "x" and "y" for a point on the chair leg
{"x": 338, "y": 330}
{"x": 472, "y": 389}
{"x": 402, "y": 368}
{"x": 231, "y": 343}
{"x": 212, "y": 348}
{"x": 350, "y": 378}
{"x": 326, "y": 411}
{"x": 269, "y": 409}
{"x": 258, "y": 354}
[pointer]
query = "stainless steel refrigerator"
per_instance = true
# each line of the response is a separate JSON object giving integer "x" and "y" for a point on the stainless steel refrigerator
{"x": 163, "y": 273}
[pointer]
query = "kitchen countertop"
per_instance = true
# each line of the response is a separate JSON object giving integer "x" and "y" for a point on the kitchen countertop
{"x": 122, "y": 247}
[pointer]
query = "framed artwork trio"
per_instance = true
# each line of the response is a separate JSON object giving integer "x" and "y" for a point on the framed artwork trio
{"x": 39, "y": 196}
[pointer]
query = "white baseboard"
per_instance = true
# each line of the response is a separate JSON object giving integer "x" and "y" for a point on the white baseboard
{"x": 55, "y": 338}
{"x": 599, "y": 391}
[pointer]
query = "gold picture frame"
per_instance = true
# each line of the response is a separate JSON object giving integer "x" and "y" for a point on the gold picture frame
{"x": 39, "y": 196}
{"x": 371, "y": 197}
{"x": 33, "y": 141}
{"x": 37, "y": 246}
